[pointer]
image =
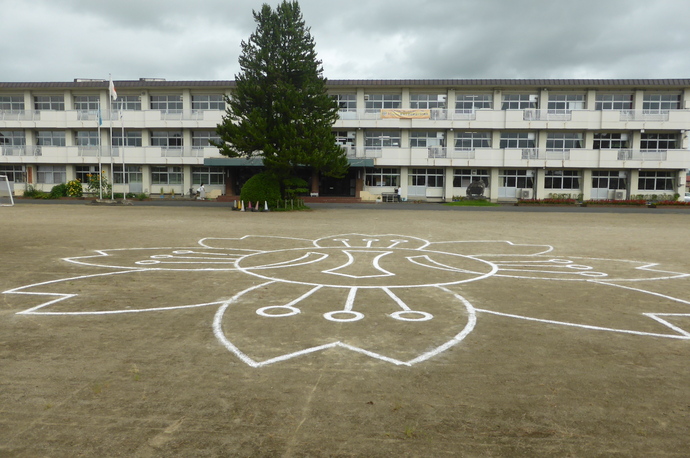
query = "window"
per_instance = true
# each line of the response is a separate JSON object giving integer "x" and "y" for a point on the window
{"x": 562, "y": 179}
{"x": 131, "y": 138}
{"x": 201, "y": 138}
{"x": 469, "y": 102}
{"x": 519, "y": 101}
{"x": 49, "y": 102}
{"x": 427, "y": 101}
{"x": 564, "y": 102}
{"x": 169, "y": 103}
{"x": 83, "y": 172}
{"x": 651, "y": 141}
{"x": 50, "y": 138}
{"x": 51, "y": 174}
{"x": 208, "y": 102}
{"x": 516, "y": 178}
{"x": 166, "y": 139}
{"x": 207, "y": 175}
{"x": 162, "y": 174}
{"x": 14, "y": 173}
{"x": 127, "y": 103}
{"x": 133, "y": 174}
{"x": 87, "y": 102}
{"x": 518, "y": 140}
{"x": 346, "y": 102}
{"x": 661, "y": 102}
{"x": 382, "y": 177}
{"x": 463, "y": 177}
{"x": 613, "y": 140}
{"x": 378, "y": 102}
{"x": 563, "y": 141}
{"x": 614, "y": 101}
{"x": 431, "y": 178}
{"x": 345, "y": 138}
{"x": 12, "y": 138}
{"x": 424, "y": 139}
{"x": 12, "y": 103}
{"x": 380, "y": 139}
{"x": 655, "y": 181}
{"x": 469, "y": 141}
{"x": 87, "y": 138}
{"x": 608, "y": 179}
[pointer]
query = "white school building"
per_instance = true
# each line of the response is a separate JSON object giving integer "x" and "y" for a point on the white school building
{"x": 524, "y": 138}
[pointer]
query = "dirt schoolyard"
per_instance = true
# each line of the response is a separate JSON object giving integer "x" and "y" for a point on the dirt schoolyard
{"x": 146, "y": 331}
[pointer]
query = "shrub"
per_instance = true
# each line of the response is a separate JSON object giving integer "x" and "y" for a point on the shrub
{"x": 59, "y": 190}
{"x": 261, "y": 188}
{"x": 74, "y": 188}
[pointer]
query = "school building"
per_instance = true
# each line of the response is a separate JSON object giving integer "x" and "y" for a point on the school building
{"x": 523, "y": 138}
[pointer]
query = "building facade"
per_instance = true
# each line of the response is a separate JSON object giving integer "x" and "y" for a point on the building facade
{"x": 589, "y": 139}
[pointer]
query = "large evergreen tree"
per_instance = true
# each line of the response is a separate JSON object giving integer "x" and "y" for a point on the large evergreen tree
{"x": 280, "y": 109}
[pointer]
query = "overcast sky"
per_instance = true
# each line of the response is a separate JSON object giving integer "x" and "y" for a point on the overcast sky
{"x": 49, "y": 40}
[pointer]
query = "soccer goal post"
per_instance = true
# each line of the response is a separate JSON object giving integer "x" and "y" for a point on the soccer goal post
{"x": 6, "y": 199}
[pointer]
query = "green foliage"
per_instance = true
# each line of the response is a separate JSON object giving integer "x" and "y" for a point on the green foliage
{"x": 294, "y": 186}
{"x": 59, "y": 190}
{"x": 280, "y": 109}
{"x": 74, "y": 188}
{"x": 98, "y": 183}
{"x": 262, "y": 187}
{"x": 32, "y": 193}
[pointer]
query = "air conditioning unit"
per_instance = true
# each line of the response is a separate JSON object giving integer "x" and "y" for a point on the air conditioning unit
{"x": 619, "y": 195}
{"x": 525, "y": 193}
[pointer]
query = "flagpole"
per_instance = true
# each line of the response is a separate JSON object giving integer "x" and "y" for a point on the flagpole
{"x": 100, "y": 147}
{"x": 125, "y": 184}
{"x": 111, "y": 96}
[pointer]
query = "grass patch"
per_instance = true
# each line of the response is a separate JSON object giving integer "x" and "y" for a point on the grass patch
{"x": 472, "y": 203}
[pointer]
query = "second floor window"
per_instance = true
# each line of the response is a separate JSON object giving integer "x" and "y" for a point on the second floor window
{"x": 661, "y": 102}
{"x": 469, "y": 141}
{"x": 50, "y": 138}
{"x": 518, "y": 140}
{"x": 49, "y": 102}
{"x": 166, "y": 139}
{"x": 652, "y": 141}
{"x": 381, "y": 138}
{"x": 87, "y": 138}
{"x": 613, "y": 140}
{"x": 201, "y": 138}
{"x": 563, "y": 141}
{"x": 131, "y": 138}
{"x": 425, "y": 139}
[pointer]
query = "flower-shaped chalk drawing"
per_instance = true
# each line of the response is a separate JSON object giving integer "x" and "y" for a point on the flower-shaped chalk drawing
{"x": 396, "y": 298}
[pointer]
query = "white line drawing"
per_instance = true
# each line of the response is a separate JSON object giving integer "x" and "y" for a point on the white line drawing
{"x": 376, "y": 276}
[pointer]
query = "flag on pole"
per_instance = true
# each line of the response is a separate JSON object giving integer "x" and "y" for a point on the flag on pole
{"x": 113, "y": 94}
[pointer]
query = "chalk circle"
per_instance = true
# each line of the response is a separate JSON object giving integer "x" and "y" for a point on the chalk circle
{"x": 283, "y": 311}
{"x": 353, "y": 316}
{"x": 418, "y": 316}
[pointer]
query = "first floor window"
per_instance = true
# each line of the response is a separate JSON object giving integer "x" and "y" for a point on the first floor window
{"x": 380, "y": 139}
{"x": 166, "y": 139}
{"x": 376, "y": 176}
{"x": 655, "y": 181}
{"x": 469, "y": 141}
{"x": 611, "y": 140}
{"x": 50, "y": 138}
{"x": 87, "y": 138}
{"x": 651, "y": 141}
{"x": 207, "y": 175}
{"x": 463, "y": 177}
{"x": 133, "y": 174}
{"x": 562, "y": 179}
{"x": 423, "y": 139}
{"x": 131, "y": 138}
{"x": 201, "y": 138}
{"x": 16, "y": 173}
{"x": 518, "y": 140}
{"x": 12, "y": 138}
{"x": 431, "y": 178}
{"x": 163, "y": 174}
{"x": 563, "y": 141}
{"x": 516, "y": 178}
{"x": 84, "y": 172}
{"x": 661, "y": 102}
{"x": 608, "y": 179}
{"x": 51, "y": 174}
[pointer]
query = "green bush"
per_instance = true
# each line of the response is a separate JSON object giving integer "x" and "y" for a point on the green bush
{"x": 261, "y": 188}
{"x": 59, "y": 190}
{"x": 32, "y": 193}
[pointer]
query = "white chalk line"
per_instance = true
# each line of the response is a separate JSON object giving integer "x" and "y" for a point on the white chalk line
{"x": 292, "y": 262}
{"x": 220, "y": 335}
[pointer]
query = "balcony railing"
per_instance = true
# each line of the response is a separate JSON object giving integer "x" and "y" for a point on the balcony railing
{"x": 547, "y": 115}
{"x": 644, "y": 115}
{"x": 642, "y": 155}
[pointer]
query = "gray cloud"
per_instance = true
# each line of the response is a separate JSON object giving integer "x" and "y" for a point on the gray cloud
{"x": 174, "y": 39}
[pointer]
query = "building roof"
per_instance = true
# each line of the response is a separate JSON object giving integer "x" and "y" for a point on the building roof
{"x": 444, "y": 83}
